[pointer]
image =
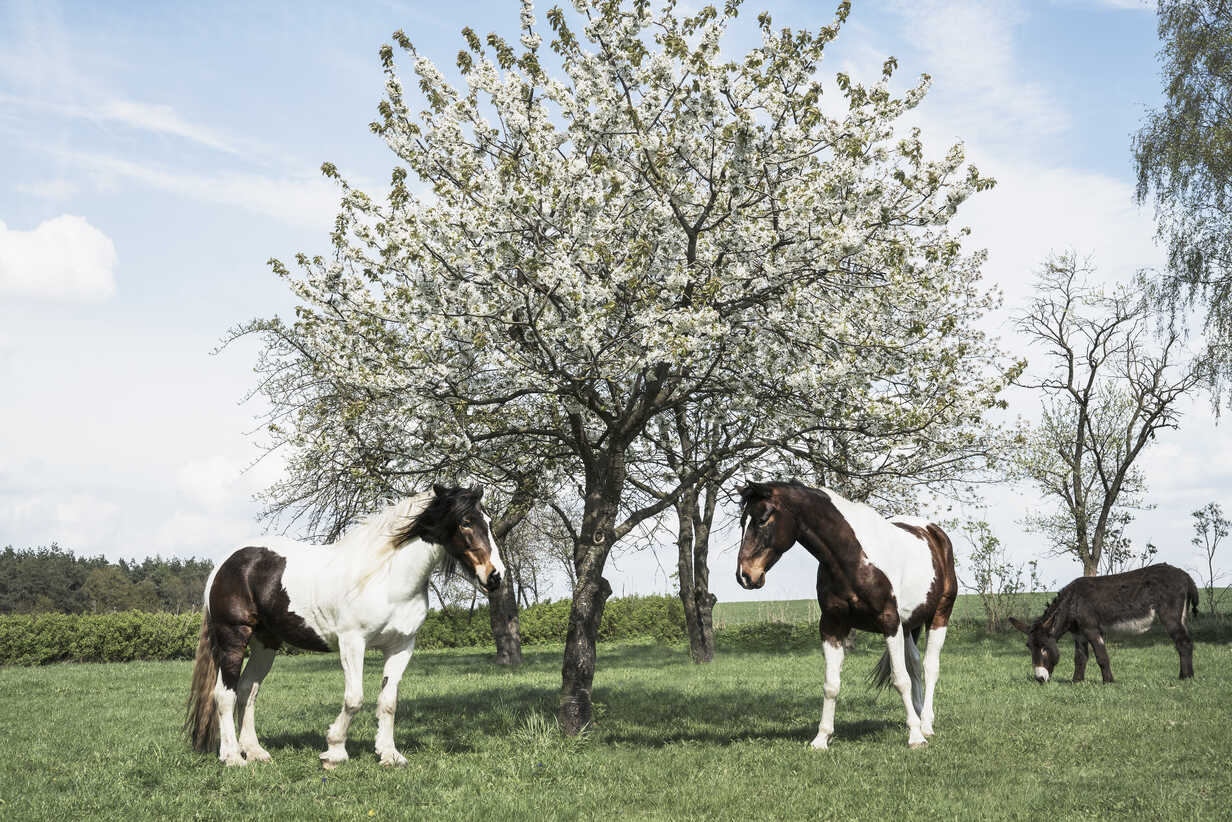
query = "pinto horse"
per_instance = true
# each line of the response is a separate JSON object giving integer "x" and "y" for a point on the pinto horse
{"x": 891, "y": 577}
{"x": 368, "y": 589}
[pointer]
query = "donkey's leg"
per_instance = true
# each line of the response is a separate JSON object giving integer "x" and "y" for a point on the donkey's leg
{"x": 1101, "y": 653}
{"x": 260, "y": 658}
{"x": 1080, "y": 657}
{"x": 834, "y": 650}
{"x": 902, "y": 681}
{"x": 387, "y": 703}
{"x": 351, "y": 654}
{"x": 230, "y": 640}
{"x": 1180, "y": 637}
{"x": 932, "y": 670}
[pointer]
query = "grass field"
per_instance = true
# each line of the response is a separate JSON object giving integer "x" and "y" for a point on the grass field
{"x": 967, "y": 608}
{"x": 673, "y": 740}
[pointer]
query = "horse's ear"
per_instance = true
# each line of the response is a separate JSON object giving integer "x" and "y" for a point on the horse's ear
{"x": 440, "y": 490}
{"x": 1022, "y": 626}
{"x": 478, "y": 492}
{"x": 752, "y": 489}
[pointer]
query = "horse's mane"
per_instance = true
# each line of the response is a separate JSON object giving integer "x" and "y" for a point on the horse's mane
{"x": 382, "y": 532}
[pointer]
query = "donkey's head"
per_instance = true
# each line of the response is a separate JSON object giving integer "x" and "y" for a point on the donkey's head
{"x": 1042, "y": 645}
{"x": 456, "y": 521}
{"x": 768, "y": 529}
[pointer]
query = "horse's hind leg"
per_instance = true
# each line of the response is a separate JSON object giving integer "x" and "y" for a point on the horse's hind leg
{"x": 260, "y": 658}
{"x": 351, "y": 654}
{"x": 230, "y": 641}
{"x": 387, "y": 702}
{"x": 1180, "y": 637}
{"x": 896, "y": 645}
{"x": 932, "y": 670}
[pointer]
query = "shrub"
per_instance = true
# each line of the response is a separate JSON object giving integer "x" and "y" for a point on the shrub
{"x": 39, "y": 639}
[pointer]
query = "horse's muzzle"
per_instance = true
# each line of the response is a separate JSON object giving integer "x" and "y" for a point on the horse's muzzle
{"x": 493, "y": 583}
{"x": 748, "y": 582}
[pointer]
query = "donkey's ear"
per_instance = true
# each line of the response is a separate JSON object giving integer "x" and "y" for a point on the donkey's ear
{"x": 1022, "y": 626}
{"x": 478, "y": 492}
{"x": 440, "y": 490}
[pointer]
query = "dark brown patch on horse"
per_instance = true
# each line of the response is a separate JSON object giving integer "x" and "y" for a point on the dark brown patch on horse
{"x": 939, "y": 603}
{"x": 248, "y": 599}
{"x": 850, "y": 590}
{"x": 1090, "y": 606}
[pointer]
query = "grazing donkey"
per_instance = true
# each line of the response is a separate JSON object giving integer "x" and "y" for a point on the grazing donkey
{"x": 1123, "y": 603}
{"x": 891, "y": 577}
{"x": 367, "y": 590}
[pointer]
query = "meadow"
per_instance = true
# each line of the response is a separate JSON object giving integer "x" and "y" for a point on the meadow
{"x": 672, "y": 740}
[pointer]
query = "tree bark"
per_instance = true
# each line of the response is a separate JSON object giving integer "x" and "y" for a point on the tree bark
{"x": 605, "y": 480}
{"x": 693, "y": 548}
{"x": 503, "y": 613}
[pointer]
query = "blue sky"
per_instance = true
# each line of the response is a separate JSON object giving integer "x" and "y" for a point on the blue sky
{"x": 156, "y": 155}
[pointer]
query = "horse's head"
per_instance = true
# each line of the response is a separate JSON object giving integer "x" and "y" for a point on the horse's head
{"x": 455, "y": 520}
{"x": 768, "y": 529}
{"x": 1042, "y": 645}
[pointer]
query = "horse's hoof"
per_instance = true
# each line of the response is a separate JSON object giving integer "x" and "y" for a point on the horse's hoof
{"x": 393, "y": 760}
{"x": 922, "y": 743}
{"x": 821, "y": 743}
{"x": 329, "y": 760}
{"x": 234, "y": 762}
{"x": 927, "y": 730}
{"x": 259, "y": 755}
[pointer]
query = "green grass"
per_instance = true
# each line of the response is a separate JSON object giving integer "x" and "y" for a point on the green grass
{"x": 966, "y": 608}
{"x": 673, "y": 740}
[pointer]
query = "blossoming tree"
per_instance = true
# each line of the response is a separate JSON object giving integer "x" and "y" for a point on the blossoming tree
{"x": 579, "y": 243}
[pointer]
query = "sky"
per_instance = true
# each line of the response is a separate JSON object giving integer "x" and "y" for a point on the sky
{"x": 153, "y": 157}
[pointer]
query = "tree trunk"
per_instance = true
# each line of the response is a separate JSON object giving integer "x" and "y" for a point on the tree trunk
{"x": 503, "y": 612}
{"x": 692, "y": 544}
{"x": 605, "y": 483}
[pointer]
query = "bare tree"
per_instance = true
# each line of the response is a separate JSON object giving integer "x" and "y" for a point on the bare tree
{"x": 1211, "y": 528}
{"x": 1115, "y": 370}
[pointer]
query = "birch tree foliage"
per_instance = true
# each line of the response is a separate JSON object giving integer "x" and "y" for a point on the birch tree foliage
{"x": 582, "y": 236}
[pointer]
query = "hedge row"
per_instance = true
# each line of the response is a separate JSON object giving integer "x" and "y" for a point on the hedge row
{"x": 38, "y": 639}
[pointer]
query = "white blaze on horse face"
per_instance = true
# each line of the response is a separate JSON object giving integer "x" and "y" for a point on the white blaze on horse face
{"x": 498, "y": 565}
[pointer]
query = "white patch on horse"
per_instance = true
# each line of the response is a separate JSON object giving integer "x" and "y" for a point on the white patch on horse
{"x": 903, "y": 557}
{"x": 1041, "y": 673}
{"x": 1136, "y": 625}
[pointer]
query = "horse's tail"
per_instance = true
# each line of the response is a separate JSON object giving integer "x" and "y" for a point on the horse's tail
{"x": 883, "y": 673}
{"x": 201, "y": 722}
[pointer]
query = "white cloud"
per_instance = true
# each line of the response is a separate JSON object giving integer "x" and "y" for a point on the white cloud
{"x": 305, "y": 201}
{"x": 968, "y": 48}
{"x": 163, "y": 120}
{"x": 63, "y": 258}
{"x": 81, "y": 522}
{"x": 55, "y": 190}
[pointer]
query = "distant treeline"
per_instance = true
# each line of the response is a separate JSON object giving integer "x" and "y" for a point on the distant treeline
{"x": 50, "y": 579}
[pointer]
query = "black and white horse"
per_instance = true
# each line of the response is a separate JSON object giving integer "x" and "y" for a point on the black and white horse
{"x": 891, "y": 577}
{"x": 1122, "y": 603}
{"x": 368, "y": 589}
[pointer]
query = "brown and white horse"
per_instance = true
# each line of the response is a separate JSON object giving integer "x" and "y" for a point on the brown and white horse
{"x": 368, "y": 589}
{"x": 891, "y": 577}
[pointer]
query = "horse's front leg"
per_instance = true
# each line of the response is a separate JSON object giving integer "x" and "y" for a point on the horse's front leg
{"x": 896, "y": 646}
{"x": 832, "y": 647}
{"x": 387, "y": 702}
{"x": 351, "y": 654}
